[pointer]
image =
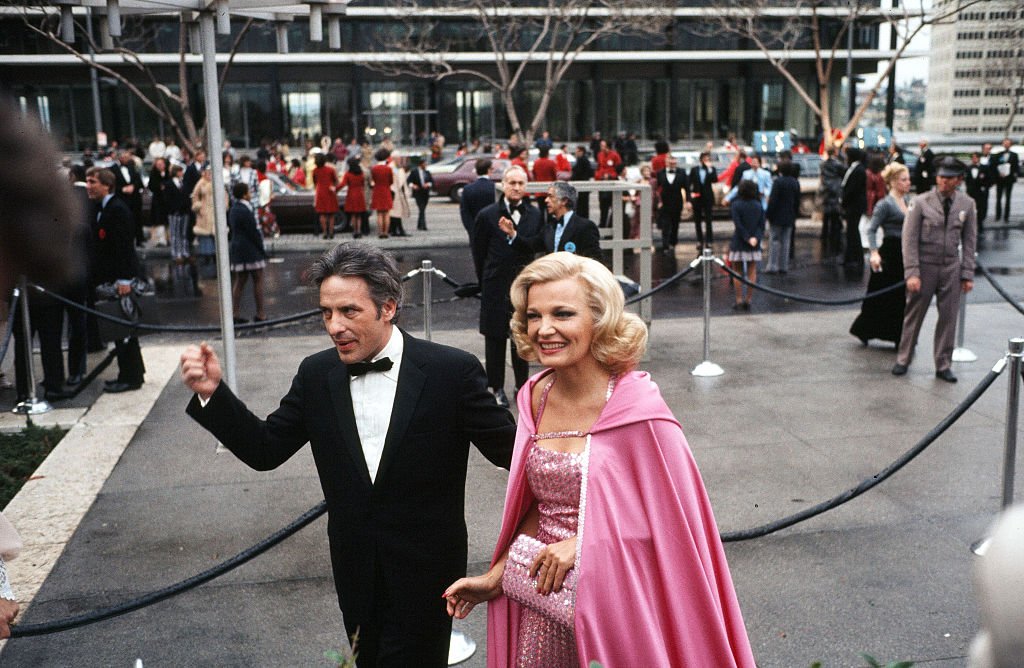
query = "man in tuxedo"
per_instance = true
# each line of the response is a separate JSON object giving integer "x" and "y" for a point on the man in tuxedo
{"x": 977, "y": 179}
{"x": 855, "y": 205}
{"x": 672, "y": 186}
{"x": 1005, "y": 171}
{"x": 476, "y": 196}
{"x": 389, "y": 419}
{"x": 129, "y": 188}
{"x": 421, "y": 181}
{"x": 703, "y": 178}
{"x": 566, "y": 231}
{"x": 924, "y": 170}
{"x": 498, "y": 262}
{"x": 582, "y": 170}
{"x": 114, "y": 261}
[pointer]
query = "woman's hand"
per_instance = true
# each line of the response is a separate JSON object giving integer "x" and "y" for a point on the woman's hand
{"x": 552, "y": 563}
{"x": 752, "y": 242}
{"x": 875, "y": 261}
{"x": 465, "y": 593}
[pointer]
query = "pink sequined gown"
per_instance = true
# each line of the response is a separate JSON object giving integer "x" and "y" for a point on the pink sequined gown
{"x": 555, "y": 479}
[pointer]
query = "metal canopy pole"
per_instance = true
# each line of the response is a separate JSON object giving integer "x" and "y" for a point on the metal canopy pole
{"x": 214, "y": 142}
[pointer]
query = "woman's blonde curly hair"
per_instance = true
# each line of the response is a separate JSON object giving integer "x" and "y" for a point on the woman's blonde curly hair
{"x": 620, "y": 337}
{"x": 892, "y": 172}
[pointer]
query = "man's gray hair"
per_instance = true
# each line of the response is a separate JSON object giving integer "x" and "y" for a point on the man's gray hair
{"x": 565, "y": 192}
{"x": 374, "y": 265}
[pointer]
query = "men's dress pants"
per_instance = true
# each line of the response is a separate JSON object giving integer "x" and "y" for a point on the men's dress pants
{"x": 854, "y": 256}
{"x": 421, "y": 204}
{"x": 669, "y": 220}
{"x": 494, "y": 361}
{"x": 702, "y": 217}
{"x": 1004, "y": 189}
{"x": 942, "y": 282}
{"x": 130, "y": 367}
{"x": 604, "y": 199}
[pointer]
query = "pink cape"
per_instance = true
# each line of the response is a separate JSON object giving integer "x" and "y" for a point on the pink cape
{"x": 653, "y": 584}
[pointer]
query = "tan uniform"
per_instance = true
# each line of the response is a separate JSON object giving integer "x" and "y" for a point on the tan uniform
{"x": 931, "y": 242}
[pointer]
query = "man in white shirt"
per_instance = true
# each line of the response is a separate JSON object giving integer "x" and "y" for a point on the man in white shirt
{"x": 389, "y": 419}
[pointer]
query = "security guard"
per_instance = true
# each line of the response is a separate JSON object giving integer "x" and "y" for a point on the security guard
{"x": 936, "y": 225}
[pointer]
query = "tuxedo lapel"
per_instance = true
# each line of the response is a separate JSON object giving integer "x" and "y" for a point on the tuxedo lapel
{"x": 410, "y": 386}
{"x": 568, "y": 232}
{"x": 341, "y": 399}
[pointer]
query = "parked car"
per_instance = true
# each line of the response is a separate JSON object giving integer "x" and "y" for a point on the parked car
{"x": 450, "y": 184}
{"x": 292, "y": 204}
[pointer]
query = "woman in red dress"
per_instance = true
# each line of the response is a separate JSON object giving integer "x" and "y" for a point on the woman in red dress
{"x": 381, "y": 201}
{"x": 325, "y": 197}
{"x": 355, "y": 200}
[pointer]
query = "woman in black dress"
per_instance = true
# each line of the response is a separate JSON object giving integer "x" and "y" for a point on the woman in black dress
{"x": 881, "y": 317}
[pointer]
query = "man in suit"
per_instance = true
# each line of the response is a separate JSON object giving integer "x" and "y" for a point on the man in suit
{"x": 855, "y": 205}
{"x": 977, "y": 179}
{"x": 924, "y": 170}
{"x": 703, "y": 178}
{"x": 389, "y": 419}
{"x": 498, "y": 262}
{"x": 421, "y": 181}
{"x": 476, "y": 196}
{"x": 114, "y": 261}
{"x": 582, "y": 170}
{"x": 936, "y": 225}
{"x": 672, "y": 186}
{"x": 566, "y": 231}
{"x": 129, "y": 188}
{"x": 1005, "y": 171}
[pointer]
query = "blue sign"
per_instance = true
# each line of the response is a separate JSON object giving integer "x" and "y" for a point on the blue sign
{"x": 771, "y": 142}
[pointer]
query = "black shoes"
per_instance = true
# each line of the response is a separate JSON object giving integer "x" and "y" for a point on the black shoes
{"x": 946, "y": 375}
{"x": 899, "y": 369}
{"x": 74, "y": 380}
{"x": 117, "y": 387}
{"x": 500, "y": 398}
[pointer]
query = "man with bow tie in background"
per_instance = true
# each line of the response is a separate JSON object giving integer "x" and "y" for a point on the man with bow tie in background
{"x": 389, "y": 419}
{"x": 499, "y": 260}
{"x": 672, "y": 193}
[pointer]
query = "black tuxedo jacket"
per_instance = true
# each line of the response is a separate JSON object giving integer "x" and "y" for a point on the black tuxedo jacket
{"x": 673, "y": 195}
{"x": 498, "y": 262}
{"x": 403, "y": 537}
{"x": 475, "y": 197}
{"x": 581, "y": 233}
{"x": 113, "y": 244}
{"x": 978, "y": 186}
{"x": 134, "y": 200}
{"x": 428, "y": 182}
{"x": 855, "y": 192}
{"x": 706, "y": 189}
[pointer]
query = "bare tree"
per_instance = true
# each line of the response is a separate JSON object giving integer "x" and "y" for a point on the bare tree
{"x": 548, "y": 35}
{"x": 1003, "y": 71}
{"x": 779, "y": 29}
{"x": 173, "y": 108}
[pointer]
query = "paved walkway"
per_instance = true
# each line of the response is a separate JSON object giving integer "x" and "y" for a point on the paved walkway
{"x": 137, "y": 497}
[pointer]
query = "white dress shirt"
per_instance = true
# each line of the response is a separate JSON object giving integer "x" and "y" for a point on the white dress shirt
{"x": 373, "y": 398}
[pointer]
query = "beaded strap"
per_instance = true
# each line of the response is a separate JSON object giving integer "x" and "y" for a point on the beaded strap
{"x": 568, "y": 433}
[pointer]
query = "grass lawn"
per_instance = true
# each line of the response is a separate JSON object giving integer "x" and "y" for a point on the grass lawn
{"x": 21, "y": 454}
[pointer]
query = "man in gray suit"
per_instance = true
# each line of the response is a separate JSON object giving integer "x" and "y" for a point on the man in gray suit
{"x": 938, "y": 223}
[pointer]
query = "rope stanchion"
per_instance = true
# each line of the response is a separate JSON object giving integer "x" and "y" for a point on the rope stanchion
{"x": 807, "y": 300}
{"x": 674, "y": 278}
{"x": 31, "y": 405}
{"x": 881, "y": 476}
{"x": 27, "y": 630}
{"x": 707, "y": 368}
{"x": 15, "y": 296}
{"x": 999, "y": 288}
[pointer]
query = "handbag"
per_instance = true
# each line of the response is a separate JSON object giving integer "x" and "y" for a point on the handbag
{"x": 518, "y": 585}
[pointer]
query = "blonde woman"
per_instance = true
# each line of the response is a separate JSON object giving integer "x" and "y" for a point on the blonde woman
{"x": 596, "y": 442}
{"x": 881, "y": 317}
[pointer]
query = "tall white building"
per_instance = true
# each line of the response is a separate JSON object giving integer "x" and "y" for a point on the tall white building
{"x": 976, "y": 71}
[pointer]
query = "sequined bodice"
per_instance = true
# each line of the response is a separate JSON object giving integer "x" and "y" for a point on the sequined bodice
{"x": 555, "y": 479}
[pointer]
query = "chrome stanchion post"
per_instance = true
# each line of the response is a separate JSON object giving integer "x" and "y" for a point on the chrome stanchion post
{"x": 707, "y": 368}
{"x": 427, "y": 270}
{"x": 961, "y": 354}
{"x": 1016, "y": 354}
{"x": 32, "y": 405}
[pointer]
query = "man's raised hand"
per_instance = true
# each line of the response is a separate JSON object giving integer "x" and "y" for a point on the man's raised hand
{"x": 200, "y": 370}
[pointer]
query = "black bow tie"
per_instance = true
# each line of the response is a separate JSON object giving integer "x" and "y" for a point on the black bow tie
{"x": 517, "y": 207}
{"x": 359, "y": 368}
